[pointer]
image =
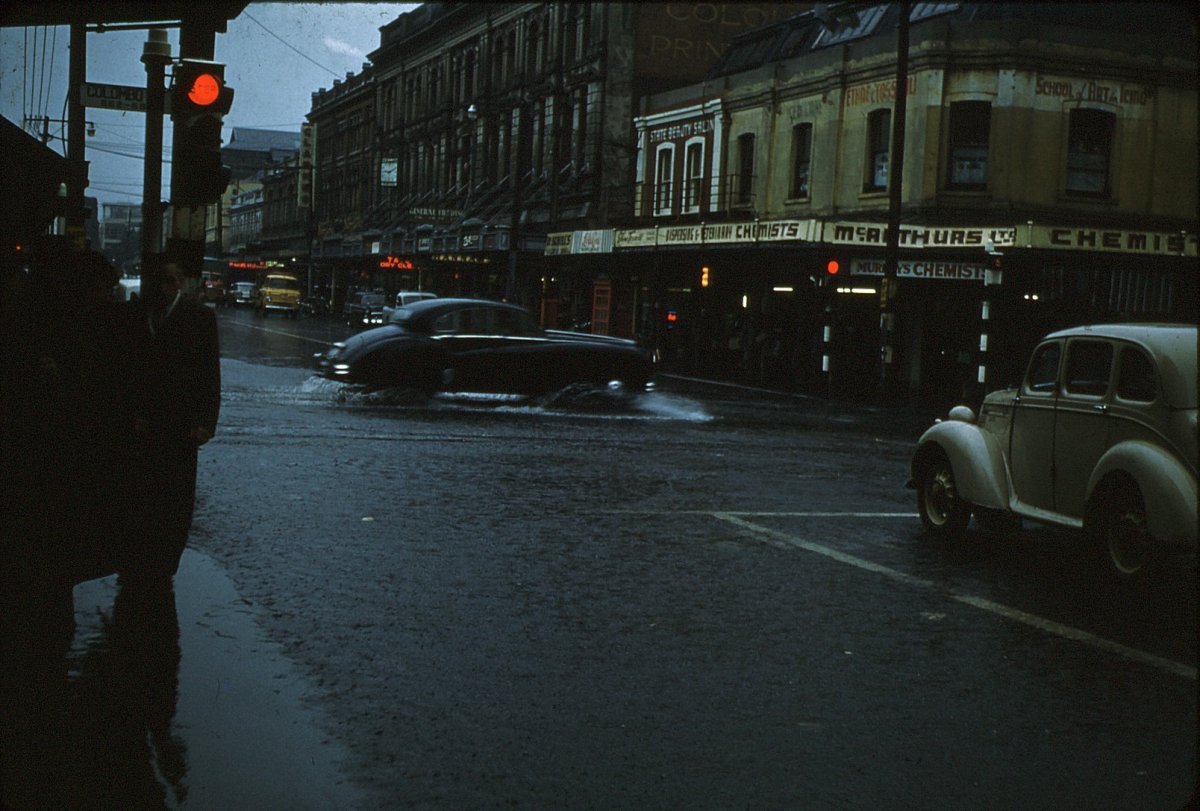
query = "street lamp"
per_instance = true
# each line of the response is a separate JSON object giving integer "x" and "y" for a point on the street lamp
{"x": 523, "y": 122}
{"x": 472, "y": 118}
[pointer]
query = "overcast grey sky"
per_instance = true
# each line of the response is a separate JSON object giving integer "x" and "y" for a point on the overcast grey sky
{"x": 277, "y": 55}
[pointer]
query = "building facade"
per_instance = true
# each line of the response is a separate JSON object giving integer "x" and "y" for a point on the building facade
{"x": 479, "y": 128}
{"x": 718, "y": 178}
{"x": 1049, "y": 179}
{"x": 121, "y": 234}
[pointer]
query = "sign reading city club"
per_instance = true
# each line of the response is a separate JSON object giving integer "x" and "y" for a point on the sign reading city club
{"x": 920, "y": 236}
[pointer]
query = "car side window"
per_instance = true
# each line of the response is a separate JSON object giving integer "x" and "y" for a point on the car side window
{"x": 1136, "y": 380}
{"x": 511, "y": 322}
{"x": 448, "y": 322}
{"x": 1089, "y": 368}
{"x": 1043, "y": 369}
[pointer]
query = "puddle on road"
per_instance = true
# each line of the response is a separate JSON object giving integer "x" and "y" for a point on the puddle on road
{"x": 242, "y": 381}
{"x": 232, "y": 732}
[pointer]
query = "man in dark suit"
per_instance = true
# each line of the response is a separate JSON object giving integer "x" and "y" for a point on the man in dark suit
{"x": 184, "y": 400}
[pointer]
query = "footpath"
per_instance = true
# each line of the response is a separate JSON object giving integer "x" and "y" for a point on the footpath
{"x": 240, "y": 732}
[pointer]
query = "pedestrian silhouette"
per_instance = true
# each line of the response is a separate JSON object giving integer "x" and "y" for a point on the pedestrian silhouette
{"x": 183, "y": 401}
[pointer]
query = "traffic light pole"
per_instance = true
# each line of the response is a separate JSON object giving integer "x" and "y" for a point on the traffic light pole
{"x": 155, "y": 55}
{"x": 77, "y": 168}
{"x": 889, "y": 383}
{"x": 197, "y": 40}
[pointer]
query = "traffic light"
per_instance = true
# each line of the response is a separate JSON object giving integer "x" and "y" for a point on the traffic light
{"x": 199, "y": 100}
{"x": 704, "y": 277}
{"x": 832, "y": 267}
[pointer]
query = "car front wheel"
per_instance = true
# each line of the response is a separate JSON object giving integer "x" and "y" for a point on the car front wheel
{"x": 943, "y": 512}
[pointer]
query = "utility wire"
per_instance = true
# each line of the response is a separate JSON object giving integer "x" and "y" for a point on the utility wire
{"x": 25, "y": 75}
{"x": 50, "y": 77}
{"x": 42, "y": 76}
{"x": 289, "y": 45}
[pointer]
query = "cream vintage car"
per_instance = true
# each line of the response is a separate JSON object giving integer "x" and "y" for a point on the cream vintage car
{"x": 1100, "y": 435}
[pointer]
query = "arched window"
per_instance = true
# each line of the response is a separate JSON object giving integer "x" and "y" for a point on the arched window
{"x": 664, "y": 179}
{"x": 693, "y": 175}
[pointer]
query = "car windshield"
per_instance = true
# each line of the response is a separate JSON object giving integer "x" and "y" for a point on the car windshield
{"x": 283, "y": 282}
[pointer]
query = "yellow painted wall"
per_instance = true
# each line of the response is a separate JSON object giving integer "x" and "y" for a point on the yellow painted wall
{"x": 1153, "y": 164}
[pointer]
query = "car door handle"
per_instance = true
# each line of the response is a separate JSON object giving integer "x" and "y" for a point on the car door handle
{"x": 1101, "y": 407}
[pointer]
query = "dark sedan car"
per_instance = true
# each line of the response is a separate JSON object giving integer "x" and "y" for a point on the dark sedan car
{"x": 365, "y": 310}
{"x": 470, "y": 345}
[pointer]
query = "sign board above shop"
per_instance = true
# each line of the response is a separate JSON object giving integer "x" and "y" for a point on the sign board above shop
{"x": 747, "y": 233}
{"x": 920, "y": 236}
{"x": 968, "y": 239}
{"x": 909, "y": 269}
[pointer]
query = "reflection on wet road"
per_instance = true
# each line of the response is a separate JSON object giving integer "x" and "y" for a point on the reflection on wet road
{"x": 169, "y": 699}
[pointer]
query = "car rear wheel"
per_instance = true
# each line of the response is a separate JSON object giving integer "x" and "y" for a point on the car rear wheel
{"x": 1121, "y": 529}
{"x": 942, "y": 511}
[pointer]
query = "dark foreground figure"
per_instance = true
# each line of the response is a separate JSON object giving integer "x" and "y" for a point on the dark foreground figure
{"x": 103, "y": 406}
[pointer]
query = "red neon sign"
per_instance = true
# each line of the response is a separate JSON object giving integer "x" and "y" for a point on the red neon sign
{"x": 395, "y": 263}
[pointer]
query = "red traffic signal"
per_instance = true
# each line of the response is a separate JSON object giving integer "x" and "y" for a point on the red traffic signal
{"x": 832, "y": 267}
{"x": 204, "y": 89}
{"x": 199, "y": 100}
{"x": 200, "y": 88}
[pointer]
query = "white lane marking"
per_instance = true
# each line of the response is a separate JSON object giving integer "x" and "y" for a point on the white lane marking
{"x": 276, "y": 332}
{"x": 1032, "y": 620}
{"x": 806, "y": 514}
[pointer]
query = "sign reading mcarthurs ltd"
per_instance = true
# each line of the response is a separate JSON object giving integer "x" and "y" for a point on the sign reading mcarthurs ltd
{"x": 920, "y": 236}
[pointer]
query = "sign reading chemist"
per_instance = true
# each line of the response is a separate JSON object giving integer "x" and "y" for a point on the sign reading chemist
{"x": 952, "y": 271}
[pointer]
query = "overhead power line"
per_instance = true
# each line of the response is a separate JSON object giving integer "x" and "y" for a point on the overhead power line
{"x": 289, "y": 45}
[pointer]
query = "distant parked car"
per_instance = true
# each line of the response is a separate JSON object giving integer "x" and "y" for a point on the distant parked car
{"x": 312, "y": 306}
{"x": 409, "y": 296}
{"x": 406, "y": 297}
{"x": 1100, "y": 435}
{"x": 365, "y": 309}
{"x": 212, "y": 288}
{"x": 471, "y": 345}
{"x": 128, "y": 288}
{"x": 243, "y": 293}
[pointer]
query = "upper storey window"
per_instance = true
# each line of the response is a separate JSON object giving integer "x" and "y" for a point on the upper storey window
{"x": 970, "y": 123}
{"x": 1089, "y": 152}
{"x": 879, "y": 137}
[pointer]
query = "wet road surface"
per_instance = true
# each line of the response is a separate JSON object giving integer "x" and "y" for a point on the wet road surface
{"x": 704, "y": 598}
